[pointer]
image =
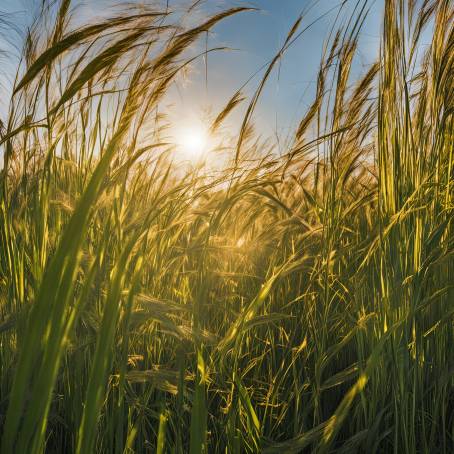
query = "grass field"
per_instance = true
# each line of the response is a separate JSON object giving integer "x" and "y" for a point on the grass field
{"x": 286, "y": 303}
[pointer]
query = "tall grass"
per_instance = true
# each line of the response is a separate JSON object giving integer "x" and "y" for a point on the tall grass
{"x": 294, "y": 303}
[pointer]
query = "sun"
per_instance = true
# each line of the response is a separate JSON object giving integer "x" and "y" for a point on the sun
{"x": 193, "y": 140}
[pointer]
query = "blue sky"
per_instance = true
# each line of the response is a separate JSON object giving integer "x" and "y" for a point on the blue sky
{"x": 254, "y": 38}
{"x": 257, "y": 36}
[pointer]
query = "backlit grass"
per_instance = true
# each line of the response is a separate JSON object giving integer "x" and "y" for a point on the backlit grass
{"x": 301, "y": 302}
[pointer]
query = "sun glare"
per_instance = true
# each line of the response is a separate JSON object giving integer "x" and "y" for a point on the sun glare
{"x": 192, "y": 141}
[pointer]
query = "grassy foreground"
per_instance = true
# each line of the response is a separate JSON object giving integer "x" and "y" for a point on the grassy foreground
{"x": 294, "y": 303}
